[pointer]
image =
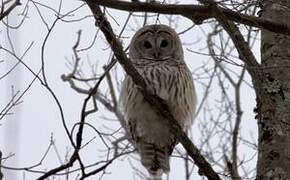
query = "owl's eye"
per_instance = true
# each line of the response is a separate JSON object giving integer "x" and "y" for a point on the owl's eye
{"x": 164, "y": 44}
{"x": 147, "y": 45}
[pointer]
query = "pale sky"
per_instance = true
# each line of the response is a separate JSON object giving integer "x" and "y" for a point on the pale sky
{"x": 27, "y": 132}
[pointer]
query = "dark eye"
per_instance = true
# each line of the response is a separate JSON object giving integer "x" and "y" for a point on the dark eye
{"x": 147, "y": 45}
{"x": 164, "y": 43}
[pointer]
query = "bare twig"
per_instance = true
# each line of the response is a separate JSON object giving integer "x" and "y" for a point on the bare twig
{"x": 232, "y": 166}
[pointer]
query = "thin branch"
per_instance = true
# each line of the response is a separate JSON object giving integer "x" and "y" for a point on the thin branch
{"x": 232, "y": 165}
{"x": 78, "y": 144}
{"x": 241, "y": 45}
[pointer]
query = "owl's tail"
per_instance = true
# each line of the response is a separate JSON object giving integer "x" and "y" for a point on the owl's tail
{"x": 155, "y": 159}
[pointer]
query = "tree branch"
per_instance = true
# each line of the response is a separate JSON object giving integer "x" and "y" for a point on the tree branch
{"x": 158, "y": 104}
{"x": 10, "y": 8}
{"x": 1, "y": 174}
{"x": 197, "y": 13}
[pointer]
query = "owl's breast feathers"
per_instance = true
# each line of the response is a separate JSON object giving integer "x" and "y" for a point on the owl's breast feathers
{"x": 173, "y": 83}
{"x": 152, "y": 138}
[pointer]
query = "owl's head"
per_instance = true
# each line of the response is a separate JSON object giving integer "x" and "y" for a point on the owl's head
{"x": 156, "y": 43}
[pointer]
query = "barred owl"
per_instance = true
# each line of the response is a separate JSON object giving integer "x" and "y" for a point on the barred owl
{"x": 157, "y": 54}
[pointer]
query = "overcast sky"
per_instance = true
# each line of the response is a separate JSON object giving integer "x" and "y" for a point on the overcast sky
{"x": 28, "y": 130}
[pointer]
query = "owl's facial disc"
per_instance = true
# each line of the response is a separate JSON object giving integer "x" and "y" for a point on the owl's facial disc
{"x": 155, "y": 46}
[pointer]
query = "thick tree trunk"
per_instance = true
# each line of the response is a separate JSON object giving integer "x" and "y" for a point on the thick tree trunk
{"x": 274, "y": 105}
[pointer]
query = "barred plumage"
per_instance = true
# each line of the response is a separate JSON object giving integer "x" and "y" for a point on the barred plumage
{"x": 163, "y": 68}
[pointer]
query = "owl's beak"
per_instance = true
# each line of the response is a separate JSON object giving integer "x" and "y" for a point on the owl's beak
{"x": 156, "y": 54}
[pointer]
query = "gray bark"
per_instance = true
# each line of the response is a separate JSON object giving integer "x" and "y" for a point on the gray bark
{"x": 274, "y": 101}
